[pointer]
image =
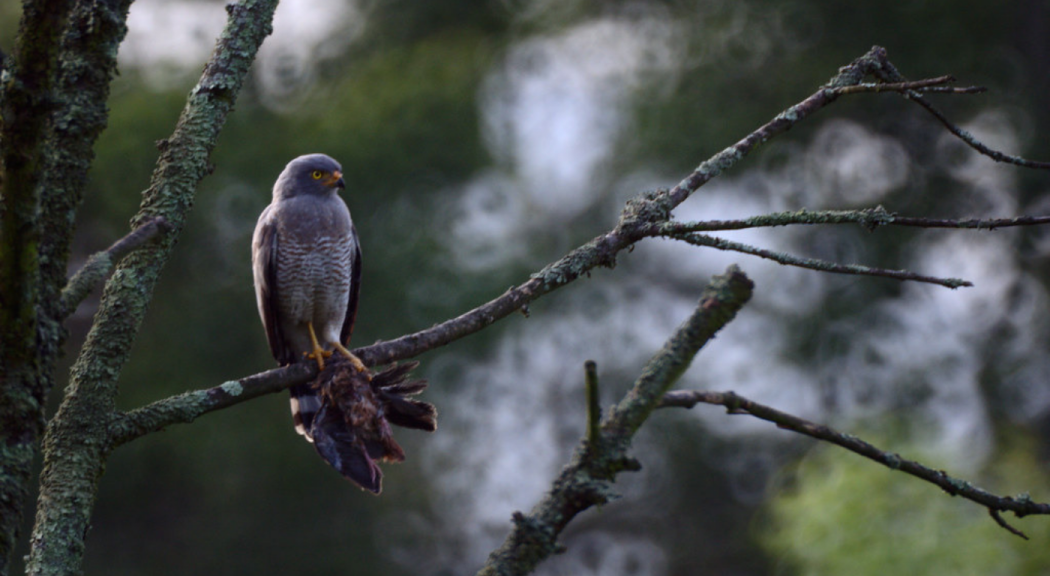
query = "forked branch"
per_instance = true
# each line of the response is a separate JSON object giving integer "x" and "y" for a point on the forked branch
{"x": 585, "y": 481}
{"x": 101, "y": 264}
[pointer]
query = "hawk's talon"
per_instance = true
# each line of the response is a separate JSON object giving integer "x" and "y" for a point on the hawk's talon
{"x": 354, "y": 360}
{"x": 318, "y": 353}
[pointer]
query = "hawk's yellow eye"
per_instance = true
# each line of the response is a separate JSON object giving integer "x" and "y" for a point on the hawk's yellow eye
{"x": 316, "y": 174}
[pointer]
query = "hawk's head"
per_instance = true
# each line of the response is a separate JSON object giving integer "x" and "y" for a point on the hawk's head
{"x": 316, "y": 174}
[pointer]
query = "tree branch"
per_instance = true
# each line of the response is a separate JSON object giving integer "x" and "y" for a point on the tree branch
{"x": 187, "y": 407}
{"x": 644, "y": 216}
{"x": 99, "y": 265}
{"x": 585, "y": 481}
{"x": 927, "y": 85}
{"x": 594, "y": 408}
{"x": 850, "y": 75}
{"x": 1020, "y": 505}
{"x": 77, "y": 440}
{"x": 869, "y": 218}
{"x": 888, "y": 73}
{"x": 971, "y": 223}
{"x": 639, "y": 220}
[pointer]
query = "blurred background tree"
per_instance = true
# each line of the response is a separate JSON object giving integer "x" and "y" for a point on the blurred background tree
{"x": 482, "y": 139}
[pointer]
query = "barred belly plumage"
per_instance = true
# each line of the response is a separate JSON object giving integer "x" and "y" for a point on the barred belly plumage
{"x": 315, "y": 277}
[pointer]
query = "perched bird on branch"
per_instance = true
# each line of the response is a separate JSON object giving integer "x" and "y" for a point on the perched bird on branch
{"x": 306, "y": 260}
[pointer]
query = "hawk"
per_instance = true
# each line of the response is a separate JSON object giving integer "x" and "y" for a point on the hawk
{"x": 306, "y": 260}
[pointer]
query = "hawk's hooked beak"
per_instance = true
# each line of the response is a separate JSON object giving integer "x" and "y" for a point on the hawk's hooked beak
{"x": 336, "y": 179}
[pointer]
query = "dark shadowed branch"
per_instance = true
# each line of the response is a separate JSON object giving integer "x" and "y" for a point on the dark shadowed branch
{"x": 1020, "y": 505}
{"x": 594, "y": 409}
{"x": 25, "y": 105}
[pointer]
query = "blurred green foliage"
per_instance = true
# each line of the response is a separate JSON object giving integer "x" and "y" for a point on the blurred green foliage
{"x": 842, "y": 514}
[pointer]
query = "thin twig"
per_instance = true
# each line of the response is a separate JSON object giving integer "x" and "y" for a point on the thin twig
{"x": 1020, "y": 506}
{"x": 101, "y": 264}
{"x": 888, "y": 73}
{"x": 973, "y": 142}
{"x": 999, "y": 520}
{"x": 870, "y": 218}
{"x": 594, "y": 409}
{"x": 927, "y": 85}
{"x": 973, "y": 223}
{"x": 817, "y": 264}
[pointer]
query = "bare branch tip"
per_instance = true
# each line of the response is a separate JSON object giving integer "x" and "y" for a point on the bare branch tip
{"x": 1006, "y": 526}
{"x": 594, "y": 410}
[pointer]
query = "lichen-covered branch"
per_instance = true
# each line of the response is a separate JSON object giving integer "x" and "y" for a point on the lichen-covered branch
{"x": 586, "y": 480}
{"x": 99, "y": 265}
{"x": 88, "y": 62}
{"x": 77, "y": 439}
{"x": 875, "y": 63}
{"x": 641, "y": 219}
{"x": 927, "y": 85}
{"x": 814, "y": 263}
{"x": 869, "y": 218}
{"x": 1020, "y": 505}
{"x": 187, "y": 407}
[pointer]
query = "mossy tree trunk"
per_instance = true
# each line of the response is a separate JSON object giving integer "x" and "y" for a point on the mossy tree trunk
{"x": 53, "y": 103}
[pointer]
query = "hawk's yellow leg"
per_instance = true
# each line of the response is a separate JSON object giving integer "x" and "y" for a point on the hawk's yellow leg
{"x": 318, "y": 353}
{"x": 358, "y": 365}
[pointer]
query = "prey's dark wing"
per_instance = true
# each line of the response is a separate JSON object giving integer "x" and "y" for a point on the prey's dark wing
{"x": 264, "y": 267}
{"x": 355, "y": 288}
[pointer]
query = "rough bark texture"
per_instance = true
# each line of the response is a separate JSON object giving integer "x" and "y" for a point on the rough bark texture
{"x": 25, "y": 103}
{"x": 77, "y": 440}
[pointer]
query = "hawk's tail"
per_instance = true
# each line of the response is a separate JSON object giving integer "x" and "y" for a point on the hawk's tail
{"x": 306, "y": 403}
